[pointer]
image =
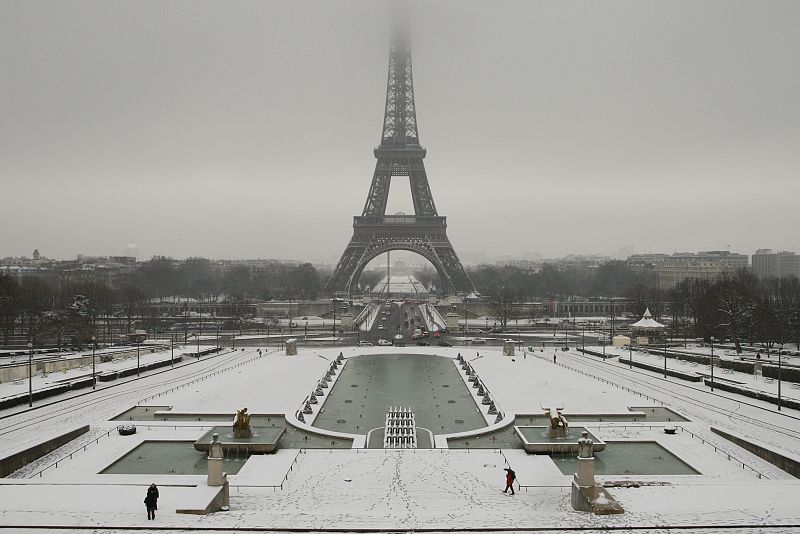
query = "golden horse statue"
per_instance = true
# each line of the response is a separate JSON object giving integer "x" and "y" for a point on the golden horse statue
{"x": 241, "y": 424}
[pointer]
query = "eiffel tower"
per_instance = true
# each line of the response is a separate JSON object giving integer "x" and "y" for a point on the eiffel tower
{"x": 399, "y": 154}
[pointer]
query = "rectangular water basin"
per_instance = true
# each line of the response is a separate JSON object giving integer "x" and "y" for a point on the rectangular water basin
{"x": 263, "y": 440}
{"x": 537, "y": 440}
{"x": 659, "y": 414}
{"x": 168, "y": 458}
{"x": 636, "y": 458}
{"x": 140, "y": 413}
{"x": 368, "y": 386}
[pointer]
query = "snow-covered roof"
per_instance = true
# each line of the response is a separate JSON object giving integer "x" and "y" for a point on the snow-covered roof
{"x": 647, "y": 322}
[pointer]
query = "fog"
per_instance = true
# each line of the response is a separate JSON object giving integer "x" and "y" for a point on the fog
{"x": 245, "y": 129}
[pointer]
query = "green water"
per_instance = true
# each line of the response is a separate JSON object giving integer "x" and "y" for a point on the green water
{"x": 629, "y": 458}
{"x": 370, "y": 385}
{"x": 140, "y": 413}
{"x": 168, "y": 458}
{"x": 506, "y": 438}
{"x": 659, "y": 414}
{"x": 541, "y": 434}
{"x": 259, "y": 435}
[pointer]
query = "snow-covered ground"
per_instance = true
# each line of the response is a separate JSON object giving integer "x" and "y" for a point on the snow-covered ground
{"x": 403, "y": 490}
{"x": 405, "y": 285}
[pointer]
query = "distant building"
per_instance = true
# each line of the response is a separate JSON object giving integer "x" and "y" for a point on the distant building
{"x": 36, "y": 254}
{"x": 671, "y": 270}
{"x": 132, "y": 251}
{"x": 767, "y": 264}
{"x": 122, "y": 260}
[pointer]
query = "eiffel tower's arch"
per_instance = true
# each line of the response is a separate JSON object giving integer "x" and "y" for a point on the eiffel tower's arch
{"x": 387, "y": 246}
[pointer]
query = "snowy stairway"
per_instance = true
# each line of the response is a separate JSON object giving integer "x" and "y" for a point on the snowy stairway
{"x": 400, "y": 429}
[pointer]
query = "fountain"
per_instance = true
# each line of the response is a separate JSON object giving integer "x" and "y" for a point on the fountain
{"x": 258, "y": 440}
{"x": 555, "y": 438}
{"x": 559, "y": 426}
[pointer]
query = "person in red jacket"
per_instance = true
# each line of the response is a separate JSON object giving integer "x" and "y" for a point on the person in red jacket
{"x": 510, "y": 477}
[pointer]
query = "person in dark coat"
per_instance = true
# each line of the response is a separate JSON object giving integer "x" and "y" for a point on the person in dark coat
{"x": 151, "y": 501}
{"x": 510, "y": 477}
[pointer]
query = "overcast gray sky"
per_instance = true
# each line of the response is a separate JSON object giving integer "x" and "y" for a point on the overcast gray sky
{"x": 245, "y": 129}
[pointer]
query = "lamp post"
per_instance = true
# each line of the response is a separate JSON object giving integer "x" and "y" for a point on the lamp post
{"x": 94, "y": 378}
{"x": 583, "y": 336}
{"x": 603, "y": 342}
{"x": 333, "y": 328}
{"x": 290, "y": 316}
{"x": 30, "y": 375}
{"x": 666, "y": 312}
{"x": 712, "y": 363}
{"x": 200, "y": 332}
{"x": 630, "y": 352}
{"x": 185, "y": 328}
{"x": 138, "y": 344}
{"x": 172, "y": 349}
{"x": 780, "y": 350}
{"x": 465, "y": 322}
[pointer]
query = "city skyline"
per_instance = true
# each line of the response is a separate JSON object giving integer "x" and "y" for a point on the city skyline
{"x": 245, "y": 130}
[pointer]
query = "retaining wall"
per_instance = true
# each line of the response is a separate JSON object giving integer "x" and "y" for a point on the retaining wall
{"x": 776, "y": 458}
{"x": 9, "y": 464}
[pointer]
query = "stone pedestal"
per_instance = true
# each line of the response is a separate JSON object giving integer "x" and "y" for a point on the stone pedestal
{"x": 758, "y": 369}
{"x": 242, "y": 433}
{"x": 508, "y": 348}
{"x": 585, "y": 475}
{"x": 452, "y": 321}
{"x": 291, "y": 347}
{"x": 216, "y": 476}
{"x": 594, "y": 499}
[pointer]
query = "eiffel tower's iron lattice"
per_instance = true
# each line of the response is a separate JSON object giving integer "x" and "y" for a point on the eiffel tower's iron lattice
{"x": 399, "y": 154}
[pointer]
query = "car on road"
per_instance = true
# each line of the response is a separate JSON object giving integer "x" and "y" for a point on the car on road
{"x": 423, "y": 343}
{"x": 437, "y": 334}
{"x": 364, "y": 344}
{"x": 384, "y": 343}
{"x": 444, "y": 344}
{"x": 381, "y": 327}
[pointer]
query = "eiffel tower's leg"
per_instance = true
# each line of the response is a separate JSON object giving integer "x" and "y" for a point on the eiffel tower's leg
{"x": 452, "y": 266}
{"x": 341, "y": 278}
{"x": 379, "y": 190}
{"x": 420, "y": 190}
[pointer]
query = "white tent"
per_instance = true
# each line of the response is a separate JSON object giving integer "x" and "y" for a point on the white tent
{"x": 647, "y": 322}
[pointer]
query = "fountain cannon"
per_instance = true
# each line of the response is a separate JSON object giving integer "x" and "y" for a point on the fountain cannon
{"x": 312, "y": 399}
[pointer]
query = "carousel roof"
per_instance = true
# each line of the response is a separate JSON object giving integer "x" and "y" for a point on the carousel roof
{"x": 647, "y": 322}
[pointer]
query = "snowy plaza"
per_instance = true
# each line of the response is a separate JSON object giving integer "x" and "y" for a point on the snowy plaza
{"x": 333, "y": 470}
